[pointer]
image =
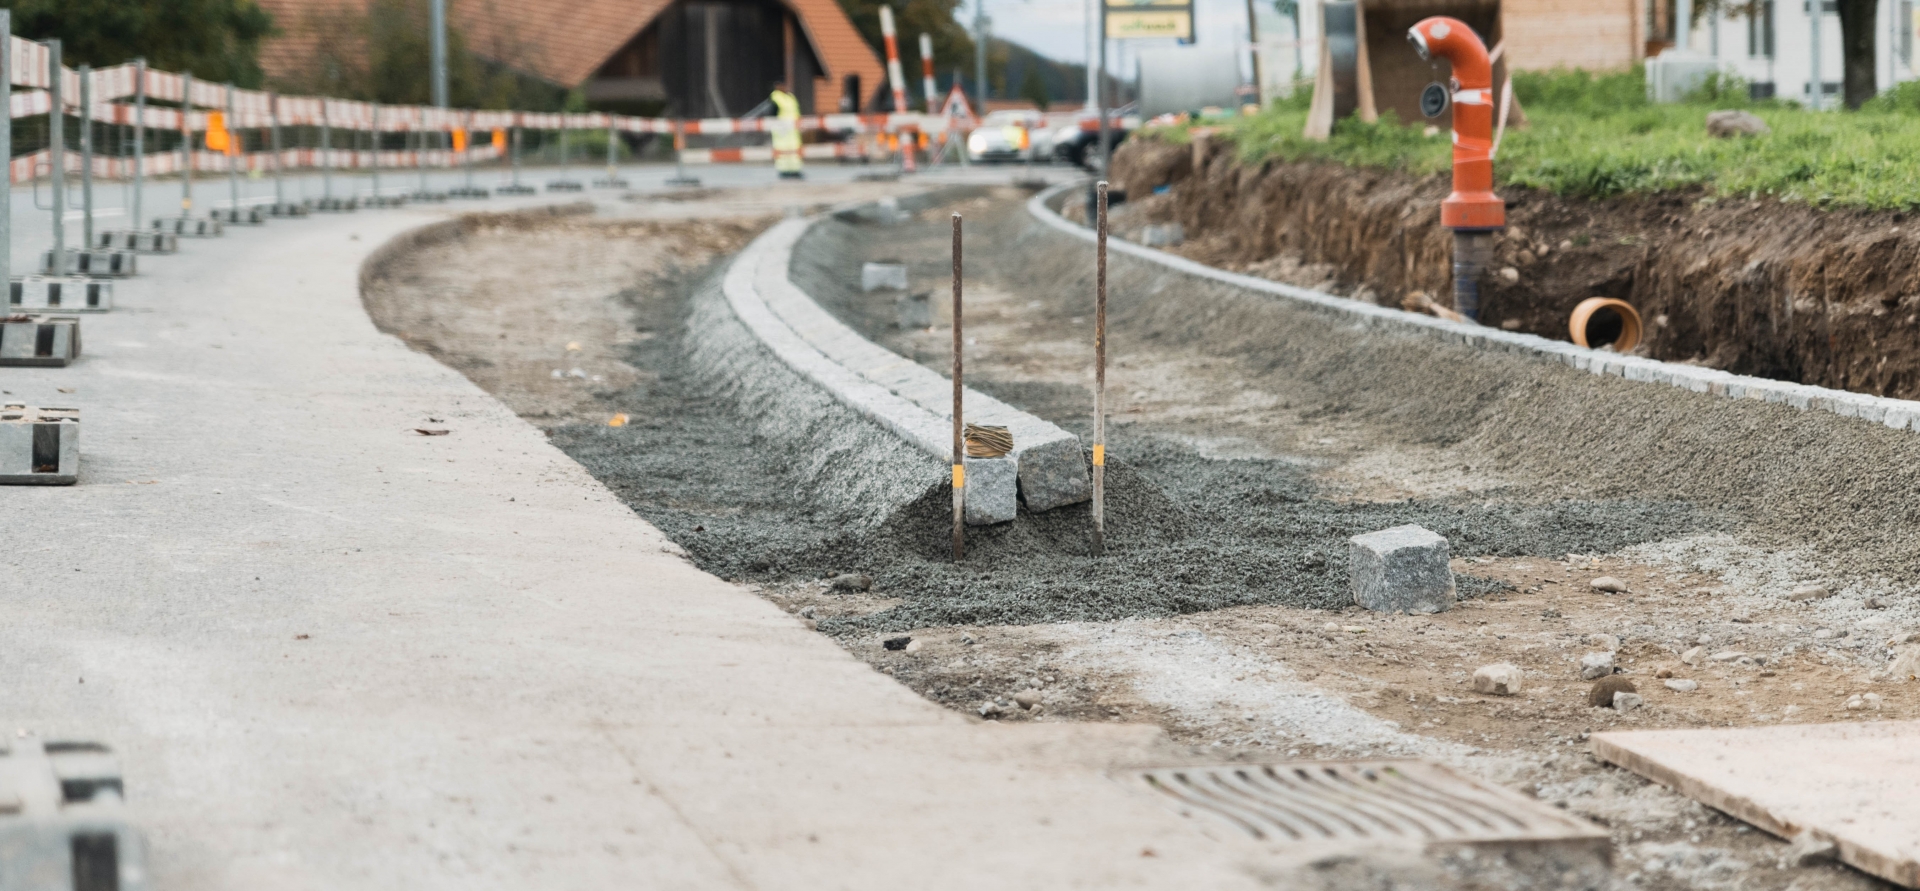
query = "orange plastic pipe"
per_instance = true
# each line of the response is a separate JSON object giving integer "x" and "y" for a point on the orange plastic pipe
{"x": 1472, "y": 204}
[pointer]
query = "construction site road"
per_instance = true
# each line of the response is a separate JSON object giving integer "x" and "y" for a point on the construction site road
{"x": 351, "y": 623}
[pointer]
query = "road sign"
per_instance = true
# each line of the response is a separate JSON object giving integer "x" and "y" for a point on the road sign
{"x": 1149, "y": 18}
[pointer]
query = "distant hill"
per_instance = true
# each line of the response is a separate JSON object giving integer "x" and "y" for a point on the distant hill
{"x": 1007, "y": 66}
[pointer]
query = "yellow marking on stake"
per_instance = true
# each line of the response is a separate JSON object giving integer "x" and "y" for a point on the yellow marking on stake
{"x": 1099, "y": 455}
{"x": 618, "y": 420}
{"x": 959, "y": 476}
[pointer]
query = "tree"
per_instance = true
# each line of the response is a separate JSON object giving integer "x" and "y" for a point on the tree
{"x": 951, "y": 43}
{"x": 217, "y": 40}
{"x": 1858, "y": 83}
{"x": 380, "y": 53}
{"x": 1033, "y": 89}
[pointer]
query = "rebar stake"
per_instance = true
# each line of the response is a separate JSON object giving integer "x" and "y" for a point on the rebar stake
{"x": 1100, "y": 376}
{"x": 959, "y": 438}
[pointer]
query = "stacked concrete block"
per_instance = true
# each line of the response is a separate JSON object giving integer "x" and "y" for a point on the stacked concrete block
{"x": 468, "y": 192}
{"x": 609, "y": 182}
{"x": 240, "y": 216}
{"x": 288, "y": 209}
{"x": 427, "y": 196}
{"x": 563, "y": 185}
{"x": 188, "y": 227}
{"x": 48, "y": 341}
{"x": 72, "y": 261}
{"x": 63, "y": 825}
{"x": 336, "y": 205}
{"x": 388, "y": 201}
{"x": 36, "y": 293}
{"x": 146, "y": 242}
{"x": 39, "y": 446}
{"x": 516, "y": 189}
{"x": 1401, "y": 570}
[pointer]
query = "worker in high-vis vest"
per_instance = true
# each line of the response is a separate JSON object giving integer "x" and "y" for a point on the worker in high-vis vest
{"x": 786, "y": 139}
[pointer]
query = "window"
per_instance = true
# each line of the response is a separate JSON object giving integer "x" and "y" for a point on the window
{"x": 1760, "y": 31}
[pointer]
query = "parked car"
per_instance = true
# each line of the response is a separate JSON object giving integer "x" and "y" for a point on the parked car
{"x": 1076, "y": 142}
{"x": 1010, "y": 135}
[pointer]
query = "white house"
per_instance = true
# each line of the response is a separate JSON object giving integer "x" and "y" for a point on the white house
{"x": 1773, "y": 50}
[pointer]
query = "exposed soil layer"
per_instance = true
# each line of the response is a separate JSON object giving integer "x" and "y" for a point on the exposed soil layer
{"x": 1785, "y": 291}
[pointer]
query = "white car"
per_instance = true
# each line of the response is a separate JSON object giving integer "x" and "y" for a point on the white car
{"x": 1014, "y": 135}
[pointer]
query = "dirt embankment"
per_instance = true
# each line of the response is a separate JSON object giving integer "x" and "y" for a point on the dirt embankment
{"x": 1750, "y": 286}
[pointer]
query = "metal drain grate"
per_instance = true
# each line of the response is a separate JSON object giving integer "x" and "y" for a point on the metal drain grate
{"x": 1362, "y": 801}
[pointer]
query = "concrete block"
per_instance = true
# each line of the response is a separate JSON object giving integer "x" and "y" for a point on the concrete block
{"x": 609, "y": 182}
{"x": 39, "y": 446}
{"x": 1502, "y": 679}
{"x": 1167, "y": 235}
{"x": 913, "y": 311}
{"x": 146, "y": 242}
{"x": 992, "y": 491}
{"x": 73, "y": 261}
{"x": 294, "y": 209}
{"x": 63, "y": 293}
{"x": 1899, "y": 417}
{"x": 875, "y": 276}
{"x": 39, "y": 340}
{"x": 563, "y": 185}
{"x": 336, "y": 205}
{"x": 384, "y": 201}
{"x": 516, "y": 189}
{"x": 64, "y": 827}
{"x": 188, "y": 227}
{"x": 426, "y": 196}
{"x": 1053, "y": 473}
{"x": 239, "y": 216}
{"x": 1401, "y": 570}
{"x": 470, "y": 193}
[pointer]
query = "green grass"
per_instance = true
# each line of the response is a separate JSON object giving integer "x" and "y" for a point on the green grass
{"x": 1598, "y": 137}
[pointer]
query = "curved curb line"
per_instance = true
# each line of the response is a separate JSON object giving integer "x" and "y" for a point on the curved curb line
{"x": 1047, "y": 466}
{"x": 1899, "y": 414}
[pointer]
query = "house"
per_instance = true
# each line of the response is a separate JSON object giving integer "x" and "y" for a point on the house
{"x": 683, "y": 58}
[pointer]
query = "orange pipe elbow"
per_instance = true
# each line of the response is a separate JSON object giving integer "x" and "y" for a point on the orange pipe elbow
{"x": 1472, "y": 204}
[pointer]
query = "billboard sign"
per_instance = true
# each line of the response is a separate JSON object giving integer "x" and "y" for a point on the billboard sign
{"x": 1127, "y": 19}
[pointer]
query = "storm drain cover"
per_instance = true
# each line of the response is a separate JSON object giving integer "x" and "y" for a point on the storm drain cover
{"x": 1406, "y": 802}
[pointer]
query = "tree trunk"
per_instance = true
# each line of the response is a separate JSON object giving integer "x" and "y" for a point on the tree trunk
{"x": 1857, "y": 18}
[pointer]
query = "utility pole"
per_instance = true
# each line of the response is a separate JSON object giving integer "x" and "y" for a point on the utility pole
{"x": 438, "y": 14}
{"x": 980, "y": 25}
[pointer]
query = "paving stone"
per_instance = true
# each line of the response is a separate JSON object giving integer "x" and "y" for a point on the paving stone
{"x": 1401, "y": 570}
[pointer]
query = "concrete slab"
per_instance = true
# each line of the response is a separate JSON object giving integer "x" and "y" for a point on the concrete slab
{"x": 332, "y": 653}
{"x": 1853, "y": 784}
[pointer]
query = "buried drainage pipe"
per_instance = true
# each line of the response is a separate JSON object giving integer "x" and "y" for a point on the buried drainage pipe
{"x": 1472, "y": 211}
{"x": 1605, "y": 322}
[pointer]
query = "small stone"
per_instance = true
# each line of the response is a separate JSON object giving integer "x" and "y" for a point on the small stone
{"x": 897, "y": 643}
{"x": 1872, "y": 700}
{"x": 1509, "y": 275}
{"x": 1663, "y": 672}
{"x": 1731, "y": 123}
{"x": 1604, "y": 641}
{"x": 852, "y": 581}
{"x": 1683, "y": 685}
{"x": 1809, "y": 592}
{"x": 1353, "y": 629}
{"x": 1527, "y": 257}
{"x": 1501, "y": 679}
{"x": 914, "y": 646}
{"x": 989, "y": 710}
{"x": 1626, "y": 702}
{"x": 1806, "y": 850}
{"x": 1331, "y": 628}
{"x": 1609, "y": 584}
{"x": 1874, "y": 602}
{"x": 1601, "y": 695}
{"x": 1027, "y": 698}
{"x": 1401, "y": 570}
{"x": 1596, "y": 665}
{"x": 1823, "y": 634}
{"x": 1905, "y": 665}
{"x": 1726, "y": 655}
{"x": 1855, "y": 703}
{"x": 1693, "y": 656}
{"x": 1703, "y": 639}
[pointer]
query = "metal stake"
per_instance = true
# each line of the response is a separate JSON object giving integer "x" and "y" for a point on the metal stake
{"x": 139, "y": 136}
{"x": 466, "y": 154}
{"x": 513, "y": 151}
{"x": 86, "y": 157}
{"x": 959, "y": 436}
{"x": 1100, "y": 379}
{"x": 374, "y": 162}
{"x": 326, "y": 152}
{"x": 233, "y": 157}
{"x": 612, "y": 171}
{"x": 57, "y": 156}
{"x": 279, "y": 157}
{"x": 186, "y": 145}
{"x": 6, "y": 147}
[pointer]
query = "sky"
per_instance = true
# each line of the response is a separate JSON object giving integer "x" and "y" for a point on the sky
{"x": 1058, "y": 28}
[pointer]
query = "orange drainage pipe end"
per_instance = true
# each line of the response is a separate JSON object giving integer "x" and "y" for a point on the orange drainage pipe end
{"x": 1605, "y": 322}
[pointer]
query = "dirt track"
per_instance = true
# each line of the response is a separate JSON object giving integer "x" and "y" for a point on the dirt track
{"x": 1247, "y": 679}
